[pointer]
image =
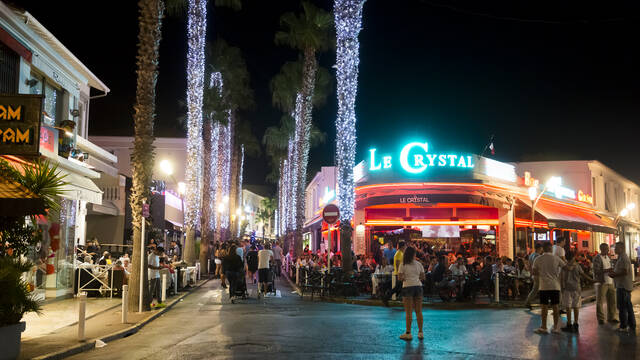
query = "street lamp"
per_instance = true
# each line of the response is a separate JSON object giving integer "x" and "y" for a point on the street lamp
{"x": 623, "y": 213}
{"x": 534, "y": 196}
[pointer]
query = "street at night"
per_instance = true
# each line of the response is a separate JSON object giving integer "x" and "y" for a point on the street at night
{"x": 319, "y": 179}
{"x": 207, "y": 326}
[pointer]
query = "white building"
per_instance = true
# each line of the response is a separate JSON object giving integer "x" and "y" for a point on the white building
{"x": 590, "y": 181}
{"x": 35, "y": 62}
{"x": 170, "y": 154}
{"x": 320, "y": 192}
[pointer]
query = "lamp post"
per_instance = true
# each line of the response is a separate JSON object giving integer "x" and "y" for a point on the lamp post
{"x": 623, "y": 213}
{"x": 534, "y": 196}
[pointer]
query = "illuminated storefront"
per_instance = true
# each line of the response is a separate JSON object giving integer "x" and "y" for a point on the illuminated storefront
{"x": 457, "y": 199}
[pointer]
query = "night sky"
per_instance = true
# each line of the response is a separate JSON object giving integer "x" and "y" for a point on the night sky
{"x": 551, "y": 82}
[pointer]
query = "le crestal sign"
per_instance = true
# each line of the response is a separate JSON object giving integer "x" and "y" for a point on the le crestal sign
{"x": 20, "y": 124}
{"x": 415, "y": 158}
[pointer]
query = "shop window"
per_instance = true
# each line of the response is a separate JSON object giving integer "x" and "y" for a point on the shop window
{"x": 9, "y": 65}
{"x": 52, "y": 107}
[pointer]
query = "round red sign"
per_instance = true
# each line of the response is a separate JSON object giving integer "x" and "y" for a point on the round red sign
{"x": 330, "y": 214}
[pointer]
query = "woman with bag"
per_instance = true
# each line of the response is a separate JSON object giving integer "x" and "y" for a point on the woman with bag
{"x": 220, "y": 254}
{"x": 411, "y": 273}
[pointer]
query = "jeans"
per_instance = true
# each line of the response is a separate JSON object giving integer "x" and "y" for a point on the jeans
{"x": 154, "y": 288}
{"x": 625, "y": 309}
{"x": 233, "y": 277}
{"x": 278, "y": 267}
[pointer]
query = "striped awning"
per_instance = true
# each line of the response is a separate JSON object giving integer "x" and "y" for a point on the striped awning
{"x": 16, "y": 200}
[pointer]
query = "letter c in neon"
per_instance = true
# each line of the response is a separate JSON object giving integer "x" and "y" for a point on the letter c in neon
{"x": 404, "y": 157}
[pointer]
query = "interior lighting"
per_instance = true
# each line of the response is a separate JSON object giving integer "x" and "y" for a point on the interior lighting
{"x": 182, "y": 187}
{"x": 166, "y": 167}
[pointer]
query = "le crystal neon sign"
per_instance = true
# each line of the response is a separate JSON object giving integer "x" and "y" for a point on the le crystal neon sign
{"x": 415, "y": 159}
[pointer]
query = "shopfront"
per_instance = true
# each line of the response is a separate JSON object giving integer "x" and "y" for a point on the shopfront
{"x": 449, "y": 200}
{"x": 453, "y": 200}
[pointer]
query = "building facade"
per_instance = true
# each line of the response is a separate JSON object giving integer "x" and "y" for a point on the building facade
{"x": 168, "y": 183}
{"x": 613, "y": 196}
{"x": 320, "y": 192}
{"x": 35, "y": 62}
{"x": 464, "y": 201}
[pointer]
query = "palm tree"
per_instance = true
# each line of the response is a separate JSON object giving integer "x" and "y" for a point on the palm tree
{"x": 348, "y": 22}
{"x": 142, "y": 157}
{"x": 197, "y": 25}
{"x": 265, "y": 213}
{"x": 308, "y": 32}
{"x": 222, "y": 100}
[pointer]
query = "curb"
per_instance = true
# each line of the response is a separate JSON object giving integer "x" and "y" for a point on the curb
{"x": 91, "y": 344}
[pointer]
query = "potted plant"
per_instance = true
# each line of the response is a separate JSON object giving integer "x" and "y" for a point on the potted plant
{"x": 17, "y": 238}
{"x": 15, "y": 301}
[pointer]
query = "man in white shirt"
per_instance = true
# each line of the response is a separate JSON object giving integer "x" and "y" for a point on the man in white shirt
{"x": 547, "y": 268}
{"x": 264, "y": 256}
{"x": 604, "y": 287}
{"x": 458, "y": 271}
{"x": 558, "y": 249}
{"x": 154, "y": 274}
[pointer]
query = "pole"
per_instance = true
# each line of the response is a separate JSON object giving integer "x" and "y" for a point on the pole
{"x": 329, "y": 252}
{"x": 533, "y": 226}
{"x": 142, "y": 253}
{"x": 164, "y": 288}
{"x": 497, "y": 288}
{"x": 82, "y": 309}
{"x": 125, "y": 303}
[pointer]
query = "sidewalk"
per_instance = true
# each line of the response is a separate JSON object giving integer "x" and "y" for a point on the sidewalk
{"x": 55, "y": 334}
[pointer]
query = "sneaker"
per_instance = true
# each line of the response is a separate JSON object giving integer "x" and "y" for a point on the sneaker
{"x": 622, "y": 330}
{"x": 541, "y": 331}
{"x": 420, "y": 335}
{"x": 567, "y": 328}
{"x": 406, "y": 336}
{"x": 556, "y": 330}
{"x": 575, "y": 328}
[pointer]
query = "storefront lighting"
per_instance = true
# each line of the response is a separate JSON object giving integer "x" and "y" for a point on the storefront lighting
{"x": 166, "y": 167}
{"x": 631, "y": 206}
{"x": 624, "y": 212}
{"x": 247, "y": 209}
{"x": 182, "y": 187}
{"x": 533, "y": 193}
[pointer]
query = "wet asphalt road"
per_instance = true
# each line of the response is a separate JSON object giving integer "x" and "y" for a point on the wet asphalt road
{"x": 206, "y": 326}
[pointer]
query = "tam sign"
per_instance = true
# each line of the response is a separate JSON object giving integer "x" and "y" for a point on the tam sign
{"x": 415, "y": 158}
{"x": 20, "y": 124}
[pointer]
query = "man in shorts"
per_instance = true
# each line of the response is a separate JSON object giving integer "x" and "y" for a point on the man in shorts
{"x": 264, "y": 256}
{"x": 546, "y": 268}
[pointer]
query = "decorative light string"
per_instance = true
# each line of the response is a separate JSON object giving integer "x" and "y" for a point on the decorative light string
{"x": 240, "y": 185}
{"x": 196, "y": 26}
{"x": 348, "y": 22}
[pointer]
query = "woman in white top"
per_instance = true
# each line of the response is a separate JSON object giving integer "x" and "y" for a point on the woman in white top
{"x": 411, "y": 273}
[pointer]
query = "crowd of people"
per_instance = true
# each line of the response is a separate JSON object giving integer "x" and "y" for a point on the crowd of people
{"x": 238, "y": 262}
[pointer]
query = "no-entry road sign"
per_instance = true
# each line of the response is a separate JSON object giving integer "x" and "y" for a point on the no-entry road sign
{"x": 330, "y": 214}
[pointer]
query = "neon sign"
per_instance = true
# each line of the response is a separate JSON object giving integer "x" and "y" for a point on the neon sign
{"x": 416, "y": 163}
{"x": 585, "y": 197}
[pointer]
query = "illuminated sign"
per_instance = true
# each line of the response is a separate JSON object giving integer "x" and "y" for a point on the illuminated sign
{"x": 585, "y": 197}
{"x": 328, "y": 196}
{"x": 530, "y": 181}
{"x": 499, "y": 170}
{"x": 20, "y": 124}
{"x": 415, "y": 159}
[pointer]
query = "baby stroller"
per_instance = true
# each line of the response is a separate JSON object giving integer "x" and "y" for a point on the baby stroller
{"x": 240, "y": 291}
{"x": 271, "y": 283}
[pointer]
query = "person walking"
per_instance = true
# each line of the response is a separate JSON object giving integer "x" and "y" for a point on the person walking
{"x": 252, "y": 263}
{"x": 621, "y": 274}
{"x": 397, "y": 261}
{"x": 572, "y": 291}
{"x": 547, "y": 268}
{"x": 533, "y": 294}
{"x": 277, "y": 257}
{"x": 411, "y": 274}
{"x": 264, "y": 256}
{"x": 232, "y": 265}
{"x": 604, "y": 287}
{"x": 222, "y": 254}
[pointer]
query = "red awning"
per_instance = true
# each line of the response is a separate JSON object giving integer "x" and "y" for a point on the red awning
{"x": 570, "y": 217}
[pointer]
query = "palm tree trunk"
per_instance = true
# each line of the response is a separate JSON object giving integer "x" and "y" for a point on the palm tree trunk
{"x": 233, "y": 193}
{"x": 348, "y": 20}
{"x": 304, "y": 127}
{"x": 208, "y": 195}
{"x": 197, "y": 18}
{"x": 150, "y": 19}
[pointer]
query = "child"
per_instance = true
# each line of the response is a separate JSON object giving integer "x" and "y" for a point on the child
{"x": 572, "y": 291}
